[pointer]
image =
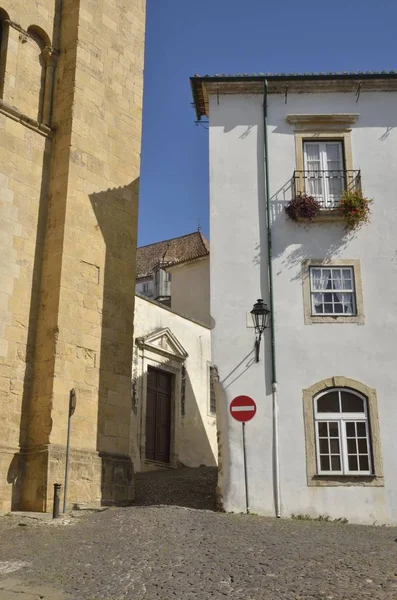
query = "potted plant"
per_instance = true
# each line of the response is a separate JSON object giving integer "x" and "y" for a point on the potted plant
{"x": 303, "y": 206}
{"x": 355, "y": 208}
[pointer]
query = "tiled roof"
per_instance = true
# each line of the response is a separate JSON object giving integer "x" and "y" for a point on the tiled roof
{"x": 174, "y": 251}
{"x": 287, "y": 83}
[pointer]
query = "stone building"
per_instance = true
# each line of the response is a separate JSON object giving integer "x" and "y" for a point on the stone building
{"x": 71, "y": 83}
{"x": 176, "y": 272}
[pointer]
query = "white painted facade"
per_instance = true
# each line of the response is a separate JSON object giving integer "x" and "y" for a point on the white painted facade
{"x": 305, "y": 354}
{"x": 180, "y": 346}
{"x": 191, "y": 289}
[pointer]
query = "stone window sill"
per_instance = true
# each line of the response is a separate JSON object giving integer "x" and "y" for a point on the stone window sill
{"x": 324, "y": 216}
{"x": 312, "y": 319}
{"x": 345, "y": 480}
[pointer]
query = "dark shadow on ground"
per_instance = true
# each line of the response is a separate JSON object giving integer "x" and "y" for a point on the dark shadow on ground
{"x": 191, "y": 488}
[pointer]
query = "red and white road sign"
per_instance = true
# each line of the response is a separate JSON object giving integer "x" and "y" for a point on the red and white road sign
{"x": 242, "y": 408}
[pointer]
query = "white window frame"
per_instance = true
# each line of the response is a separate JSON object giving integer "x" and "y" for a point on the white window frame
{"x": 326, "y": 199}
{"x": 342, "y": 419}
{"x": 352, "y": 290}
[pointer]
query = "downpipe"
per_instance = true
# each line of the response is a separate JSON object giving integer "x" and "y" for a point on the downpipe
{"x": 276, "y": 454}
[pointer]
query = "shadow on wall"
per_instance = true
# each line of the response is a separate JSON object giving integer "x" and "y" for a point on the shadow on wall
{"x": 294, "y": 242}
{"x": 116, "y": 212}
{"x": 196, "y": 446}
{"x": 15, "y": 475}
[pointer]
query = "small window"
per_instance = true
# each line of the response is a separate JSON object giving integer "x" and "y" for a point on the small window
{"x": 168, "y": 277}
{"x": 324, "y": 171}
{"x": 145, "y": 288}
{"x": 332, "y": 291}
{"x": 342, "y": 433}
{"x": 212, "y": 375}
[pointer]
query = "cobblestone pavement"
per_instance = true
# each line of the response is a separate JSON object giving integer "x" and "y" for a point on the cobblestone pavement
{"x": 169, "y": 552}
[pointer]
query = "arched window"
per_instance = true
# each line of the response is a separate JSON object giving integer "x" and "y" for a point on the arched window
{"x": 3, "y": 48}
{"x": 342, "y": 433}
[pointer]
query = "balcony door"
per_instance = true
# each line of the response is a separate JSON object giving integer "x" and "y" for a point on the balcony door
{"x": 324, "y": 172}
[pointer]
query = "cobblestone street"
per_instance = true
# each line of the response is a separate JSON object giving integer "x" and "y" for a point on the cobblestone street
{"x": 183, "y": 550}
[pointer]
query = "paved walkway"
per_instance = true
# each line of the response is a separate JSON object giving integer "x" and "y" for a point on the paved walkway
{"x": 170, "y": 552}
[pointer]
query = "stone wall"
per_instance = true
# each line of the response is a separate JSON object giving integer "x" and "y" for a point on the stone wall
{"x": 69, "y": 195}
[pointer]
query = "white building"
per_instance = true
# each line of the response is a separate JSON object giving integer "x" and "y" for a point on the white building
{"x": 190, "y": 254}
{"x": 323, "y": 440}
{"x": 173, "y": 397}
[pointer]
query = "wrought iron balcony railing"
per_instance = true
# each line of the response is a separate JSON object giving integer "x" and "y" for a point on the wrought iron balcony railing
{"x": 326, "y": 186}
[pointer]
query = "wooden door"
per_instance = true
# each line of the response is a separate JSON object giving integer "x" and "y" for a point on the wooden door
{"x": 158, "y": 415}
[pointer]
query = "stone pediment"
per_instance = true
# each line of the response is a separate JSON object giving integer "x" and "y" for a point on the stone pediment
{"x": 164, "y": 342}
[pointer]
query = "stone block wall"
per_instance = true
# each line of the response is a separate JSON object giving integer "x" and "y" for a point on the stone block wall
{"x": 69, "y": 185}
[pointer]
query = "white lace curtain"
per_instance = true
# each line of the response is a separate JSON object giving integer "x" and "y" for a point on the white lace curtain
{"x": 321, "y": 278}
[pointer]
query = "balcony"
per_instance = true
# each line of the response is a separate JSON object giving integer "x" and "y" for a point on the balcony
{"x": 328, "y": 188}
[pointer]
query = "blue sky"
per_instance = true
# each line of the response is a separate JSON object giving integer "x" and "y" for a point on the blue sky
{"x": 184, "y": 37}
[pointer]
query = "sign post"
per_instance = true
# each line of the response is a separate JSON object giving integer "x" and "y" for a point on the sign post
{"x": 72, "y": 408}
{"x": 243, "y": 409}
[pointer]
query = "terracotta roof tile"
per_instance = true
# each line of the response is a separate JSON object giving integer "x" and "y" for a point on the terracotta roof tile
{"x": 173, "y": 251}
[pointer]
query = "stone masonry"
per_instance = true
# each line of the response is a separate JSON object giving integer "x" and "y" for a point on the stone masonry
{"x": 71, "y": 85}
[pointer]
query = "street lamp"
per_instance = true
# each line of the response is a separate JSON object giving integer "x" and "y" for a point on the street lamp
{"x": 261, "y": 318}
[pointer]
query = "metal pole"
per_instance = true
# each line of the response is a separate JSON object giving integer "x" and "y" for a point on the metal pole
{"x": 56, "y": 501}
{"x": 245, "y": 472}
{"x": 72, "y": 404}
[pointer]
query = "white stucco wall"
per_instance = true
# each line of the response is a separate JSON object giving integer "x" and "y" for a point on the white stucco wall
{"x": 306, "y": 354}
{"x": 194, "y": 433}
{"x": 191, "y": 289}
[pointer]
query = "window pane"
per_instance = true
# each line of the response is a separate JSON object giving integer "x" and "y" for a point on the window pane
{"x": 322, "y": 430}
{"x": 324, "y": 463}
{"x": 362, "y": 446}
{"x": 324, "y": 448}
{"x": 328, "y": 297}
{"x": 328, "y": 308}
{"x": 334, "y": 446}
{"x": 351, "y": 446}
{"x": 316, "y": 279}
{"x": 326, "y": 277}
{"x": 351, "y": 403}
{"x": 361, "y": 430}
{"x": 364, "y": 463}
{"x": 328, "y": 403}
{"x": 351, "y": 430}
{"x": 335, "y": 463}
{"x": 333, "y": 430}
{"x": 353, "y": 463}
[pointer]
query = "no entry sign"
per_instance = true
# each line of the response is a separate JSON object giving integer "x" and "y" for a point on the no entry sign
{"x": 243, "y": 408}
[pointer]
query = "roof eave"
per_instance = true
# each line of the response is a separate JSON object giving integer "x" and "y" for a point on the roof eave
{"x": 202, "y": 87}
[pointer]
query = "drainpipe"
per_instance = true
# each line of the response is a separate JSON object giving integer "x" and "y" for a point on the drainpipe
{"x": 276, "y": 457}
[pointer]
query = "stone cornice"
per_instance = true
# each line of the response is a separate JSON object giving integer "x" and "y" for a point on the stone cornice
{"x": 17, "y": 115}
{"x": 337, "y": 119}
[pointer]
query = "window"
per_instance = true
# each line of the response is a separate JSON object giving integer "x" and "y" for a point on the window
{"x": 168, "y": 277}
{"x": 332, "y": 291}
{"x": 212, "y": 377}
{"x": 145, "y": 288}
{"x": 324, "y": 171}
{"x": 342, "y": 433}
{"x": 342, "y": 437}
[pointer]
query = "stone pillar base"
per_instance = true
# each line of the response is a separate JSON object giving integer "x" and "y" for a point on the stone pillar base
{"x": 95, "y": 479}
